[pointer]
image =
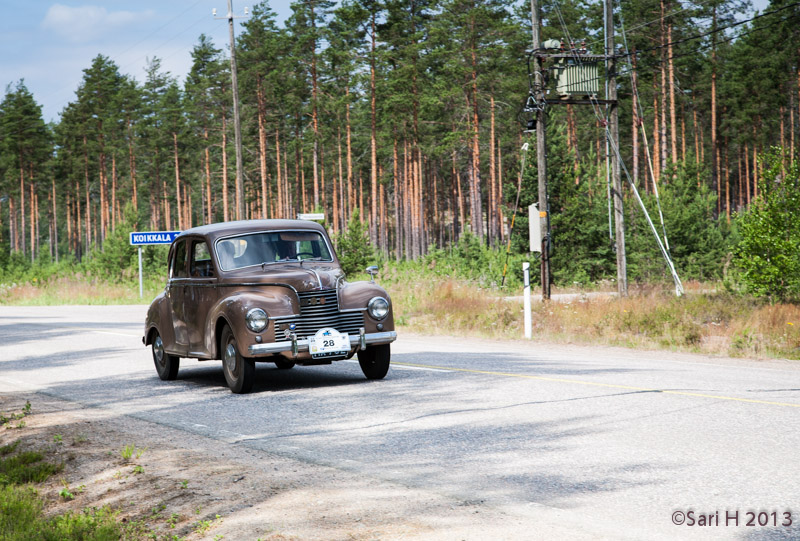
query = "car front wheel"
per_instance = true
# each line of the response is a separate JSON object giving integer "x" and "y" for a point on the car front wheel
{"x": 166, "y": 365}
{"x": 240, "y": 372}
{"x": 374, "y": 361}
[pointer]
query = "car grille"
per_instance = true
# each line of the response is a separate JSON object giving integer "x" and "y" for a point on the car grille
{"x": 320, "y": 309}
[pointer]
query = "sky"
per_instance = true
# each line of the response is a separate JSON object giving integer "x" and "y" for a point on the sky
{"x": 49, "y": 44}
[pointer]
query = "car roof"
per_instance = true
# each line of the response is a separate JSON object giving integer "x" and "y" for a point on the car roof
{"x": 224, "y": 229}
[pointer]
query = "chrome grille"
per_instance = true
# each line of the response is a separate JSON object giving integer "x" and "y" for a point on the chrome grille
{"x": 320, "y": 309}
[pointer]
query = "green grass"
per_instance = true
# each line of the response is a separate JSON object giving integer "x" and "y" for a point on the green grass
{"x": 25, "y": 467}
{"x": 22, "y": 519}
{"x": 22, "y": 516}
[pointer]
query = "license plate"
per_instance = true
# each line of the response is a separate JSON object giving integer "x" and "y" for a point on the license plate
{"x": 328, "y": 342}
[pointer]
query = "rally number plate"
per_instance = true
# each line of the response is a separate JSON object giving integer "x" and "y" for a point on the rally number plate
{"x": 329, "y": 342}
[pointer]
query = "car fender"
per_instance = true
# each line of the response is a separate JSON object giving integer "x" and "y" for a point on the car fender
{"x": 232, "y": 309}
{"x": 356, "y": 295}
{"x": 158, "y": 318}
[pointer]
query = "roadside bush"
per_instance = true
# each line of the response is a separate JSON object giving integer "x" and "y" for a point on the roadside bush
{"x": 768, "y": 254}
{"x": 353, "y": 247}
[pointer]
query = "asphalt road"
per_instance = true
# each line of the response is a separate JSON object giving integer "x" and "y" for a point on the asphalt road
{"x": 613, "y": 443}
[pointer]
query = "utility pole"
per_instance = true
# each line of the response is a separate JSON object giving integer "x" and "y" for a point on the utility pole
{"x": 237, "y": 126}
{"x": 613, "y": 130}
{"x": 541, "y": 152}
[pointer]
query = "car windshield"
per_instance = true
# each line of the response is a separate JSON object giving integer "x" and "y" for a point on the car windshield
{"x": 265, "y": 248}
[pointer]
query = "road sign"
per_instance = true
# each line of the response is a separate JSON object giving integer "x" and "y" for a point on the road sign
{"x": 142, "y": 238}
{"x": 312, "y": 216}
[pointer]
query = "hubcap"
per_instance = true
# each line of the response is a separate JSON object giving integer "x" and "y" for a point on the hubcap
{"x": 230, "y": 358}
{"x": 158, "y": 350}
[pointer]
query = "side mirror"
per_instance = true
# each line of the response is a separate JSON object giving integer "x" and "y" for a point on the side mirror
{"x": 372, "y": 270}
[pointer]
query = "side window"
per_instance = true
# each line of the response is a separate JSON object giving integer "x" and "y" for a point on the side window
{"x": 178, "y": 268}
{"x": 200, "y": 266}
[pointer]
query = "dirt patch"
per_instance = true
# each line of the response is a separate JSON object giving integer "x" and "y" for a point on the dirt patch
{"x": 183, "y": 485}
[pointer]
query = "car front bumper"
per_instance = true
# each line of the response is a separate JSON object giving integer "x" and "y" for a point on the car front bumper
{"x": 299, "y": 345}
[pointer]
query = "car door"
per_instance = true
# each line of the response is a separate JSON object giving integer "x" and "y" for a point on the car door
{"x": 199, "y": 296}
{"x": 176, "y": 292}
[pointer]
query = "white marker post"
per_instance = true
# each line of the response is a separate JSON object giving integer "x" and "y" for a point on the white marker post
{"x": 526, "y": 298}
{"x": 146, "y": 238}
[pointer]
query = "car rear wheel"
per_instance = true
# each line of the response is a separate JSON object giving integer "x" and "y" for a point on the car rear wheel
{"x": 166, "y": 365}
{"x": 374, "y": 361}
{"x": 240, "y": 372}
{"x": 284, "y": 365}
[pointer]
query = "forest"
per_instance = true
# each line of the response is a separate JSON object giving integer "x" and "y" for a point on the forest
{"x": 410, "y": 114}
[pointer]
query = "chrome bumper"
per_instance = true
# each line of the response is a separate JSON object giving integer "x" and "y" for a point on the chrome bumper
{"x": 361, "y": 341}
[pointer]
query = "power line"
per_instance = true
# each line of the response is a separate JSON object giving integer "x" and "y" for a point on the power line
{"x": 719, "y": 29}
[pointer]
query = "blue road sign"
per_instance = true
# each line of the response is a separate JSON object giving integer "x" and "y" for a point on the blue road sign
{"x": 153, "y": 237}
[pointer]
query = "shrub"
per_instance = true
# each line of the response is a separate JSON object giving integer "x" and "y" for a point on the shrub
{"x": 768, "y": 254}
{"x": 354, "y": 249}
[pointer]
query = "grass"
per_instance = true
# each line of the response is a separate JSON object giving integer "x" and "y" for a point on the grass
{"x": 717, "y": 323}
{"x": 130, "y": 451}
{"x": 77, "y": 290}
{"x": 22, "y": 514}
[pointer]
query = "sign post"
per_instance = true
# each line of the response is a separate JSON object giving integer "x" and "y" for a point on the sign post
{"x": 146, "y": 238}
{"x": 526, "y": 299}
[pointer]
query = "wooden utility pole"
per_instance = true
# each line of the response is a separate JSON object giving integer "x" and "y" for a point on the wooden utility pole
{"x": 541, "y": 153}
{"x": 613, "y": 128}
{"x": 237, "y": 127}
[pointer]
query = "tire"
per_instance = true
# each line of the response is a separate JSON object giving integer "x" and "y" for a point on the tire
{"x": 284, "y": 365}
{"x": 166, "y": 365}
{"x": 374, "y": 361}
{"x": 240, "y": 372}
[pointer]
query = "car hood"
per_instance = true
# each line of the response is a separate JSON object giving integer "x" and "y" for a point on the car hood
{"x": 305, "y": 277}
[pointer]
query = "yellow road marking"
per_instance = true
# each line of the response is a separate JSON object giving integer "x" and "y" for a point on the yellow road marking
{"x": 597, "y": 384}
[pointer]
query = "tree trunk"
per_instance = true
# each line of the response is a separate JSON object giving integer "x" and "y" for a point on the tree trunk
{"x": 672, "y": 117}
{"x": 178, "y": 202}
{"x": 635, "y": 120}
{"x": 696, "y": 142}
{"x": 747, "y": 172}
{"x": 727, "y": 185}
{"x": 373, "y": 134}
{"x": 477, "y": 211}
{"x": 34, "y": 212}
{"x": 782, "y": 114}
{"x": 262, "y": 147}
{"x": 114, "y": 207}
{"x": 663, "y": 90}
{"x": 207, "y": 163}
{"x": 407, "y": 197}
{"x": 78, "y": 247}
{"x": 491, "y": 213}
{"x": 683, "y": 135}
{"x": 314, "y": 115}
{"x": 22, "y": 204}
{"x": 714, "y": 156}
{"x": 656, "y": 136}
{"x": 88, "y": 203}
{"x": 55, "y": 218}
{"x": 398, "y": 241}
{"x": 132, "y": 165}
{"x": 225, "y": 212}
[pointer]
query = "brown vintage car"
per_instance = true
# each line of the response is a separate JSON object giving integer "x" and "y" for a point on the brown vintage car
{"x": 265, "y": 290}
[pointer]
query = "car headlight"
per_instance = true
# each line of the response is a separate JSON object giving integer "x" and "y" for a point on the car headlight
{"x": 378, "y": 307}
{"x": 256, "y": 320}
